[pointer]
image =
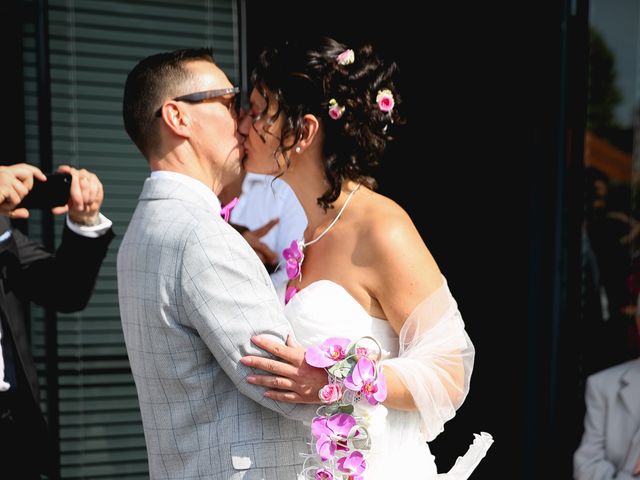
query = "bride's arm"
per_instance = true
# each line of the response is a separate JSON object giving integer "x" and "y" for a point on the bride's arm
{"x": 433, "y": 368}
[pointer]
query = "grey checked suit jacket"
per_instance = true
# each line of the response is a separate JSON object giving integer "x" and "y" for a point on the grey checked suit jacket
{"x": 610, "y": 443}
{"x": 191, "y": 293}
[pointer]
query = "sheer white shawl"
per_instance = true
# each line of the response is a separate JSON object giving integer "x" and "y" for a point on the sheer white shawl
{"x": 435, "y": 362}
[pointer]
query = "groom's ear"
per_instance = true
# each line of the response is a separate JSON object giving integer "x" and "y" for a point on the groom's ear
{"x": 311, "y": 127}
{"x": 175, "y": 119}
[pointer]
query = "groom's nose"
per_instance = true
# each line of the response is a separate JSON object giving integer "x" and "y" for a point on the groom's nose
{"x": 244, "y": 122}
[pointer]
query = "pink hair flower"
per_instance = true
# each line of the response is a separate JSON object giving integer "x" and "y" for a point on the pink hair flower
{"x": 335, "y": 109}
{"x": 385, "y": 101}
{"x": 346, "y": 58}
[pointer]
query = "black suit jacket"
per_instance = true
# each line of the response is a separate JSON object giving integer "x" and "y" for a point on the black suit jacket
{"x": 61, "y": 280}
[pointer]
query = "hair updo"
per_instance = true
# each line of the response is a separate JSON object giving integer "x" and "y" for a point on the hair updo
{"x": 311, "y": 79}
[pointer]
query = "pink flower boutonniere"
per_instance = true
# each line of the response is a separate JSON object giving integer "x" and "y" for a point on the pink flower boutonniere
{"x": 289, "y": 293}
{"x": 294, "y": 257}
{"x": 385, "y": 101}
{"x": 225, "y": 212}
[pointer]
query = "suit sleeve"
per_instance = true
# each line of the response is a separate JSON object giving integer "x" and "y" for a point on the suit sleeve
{"x": 64, "y": 279}
{"x": 590, "y": 461}
{"x": 228, "y": 297}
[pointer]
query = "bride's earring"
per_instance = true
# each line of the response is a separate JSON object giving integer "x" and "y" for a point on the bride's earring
{"x": 298, "y": 149}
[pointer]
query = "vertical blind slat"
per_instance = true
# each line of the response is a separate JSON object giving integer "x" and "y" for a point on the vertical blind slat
{"x": 94, "y": 44}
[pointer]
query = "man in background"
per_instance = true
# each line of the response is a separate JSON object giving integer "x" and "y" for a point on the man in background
{"x": 62, "y": 281}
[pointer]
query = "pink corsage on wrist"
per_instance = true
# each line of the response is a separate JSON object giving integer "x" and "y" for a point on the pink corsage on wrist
{"x": 342, "y": 424}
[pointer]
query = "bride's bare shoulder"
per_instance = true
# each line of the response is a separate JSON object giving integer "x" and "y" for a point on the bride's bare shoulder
{"x": 385, "y": 220}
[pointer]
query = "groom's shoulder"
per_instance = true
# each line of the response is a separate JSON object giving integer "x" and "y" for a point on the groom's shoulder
{"x": 172, "y": 220}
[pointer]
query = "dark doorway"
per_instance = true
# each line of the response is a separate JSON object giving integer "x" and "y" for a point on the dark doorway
{"x": 481, "y": 91}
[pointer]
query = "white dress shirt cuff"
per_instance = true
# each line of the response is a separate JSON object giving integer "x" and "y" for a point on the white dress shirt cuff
{"x": 93, "y": 231}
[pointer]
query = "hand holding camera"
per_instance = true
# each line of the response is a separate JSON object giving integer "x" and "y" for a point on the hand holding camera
{"x": 85, "y": 196}
{"x": 16, "y": 181}
{"x": 24, "y": 187}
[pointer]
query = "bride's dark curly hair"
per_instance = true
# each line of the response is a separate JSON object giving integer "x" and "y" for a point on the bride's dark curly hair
{"x": 302, "y": 79}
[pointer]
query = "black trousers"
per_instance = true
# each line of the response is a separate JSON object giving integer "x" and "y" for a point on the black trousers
{"x": 21, "y": 455}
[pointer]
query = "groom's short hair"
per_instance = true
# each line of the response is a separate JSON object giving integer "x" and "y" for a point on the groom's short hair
{"x": 153, "y": 80}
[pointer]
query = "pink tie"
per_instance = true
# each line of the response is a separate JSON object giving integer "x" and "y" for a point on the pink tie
{"x": 225, "y": 212}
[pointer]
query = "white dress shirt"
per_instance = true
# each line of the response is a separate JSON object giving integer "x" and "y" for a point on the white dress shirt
{"x": 264, "y": 198}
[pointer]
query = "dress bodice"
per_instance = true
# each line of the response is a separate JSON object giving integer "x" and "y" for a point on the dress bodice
{"x": 326, "y": 309}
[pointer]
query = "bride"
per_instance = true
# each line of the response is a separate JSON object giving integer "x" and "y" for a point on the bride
{"x": 321, "y": 116}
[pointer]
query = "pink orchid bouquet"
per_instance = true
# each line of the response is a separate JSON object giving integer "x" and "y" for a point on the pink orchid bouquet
{"x": 341, "y": 436}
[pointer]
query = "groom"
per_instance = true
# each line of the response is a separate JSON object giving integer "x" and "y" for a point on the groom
{"x": 192, "y": 292}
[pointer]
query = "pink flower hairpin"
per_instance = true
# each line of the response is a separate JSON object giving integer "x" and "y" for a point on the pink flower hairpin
{"x": 346, "y": 58}
{"x": 335, "y": 109}
{"x": 385, "y": 100}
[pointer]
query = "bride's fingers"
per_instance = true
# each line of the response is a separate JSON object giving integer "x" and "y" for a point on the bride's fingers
{"x": 270, "y": 381}
{"x": 287, "y": 397}
{"x": 269, "y": 365}
{"x": 291, "y": 342}
{"x": 293, "y": 355}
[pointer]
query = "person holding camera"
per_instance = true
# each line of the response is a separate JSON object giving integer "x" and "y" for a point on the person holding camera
{"x": 62, "y": 280}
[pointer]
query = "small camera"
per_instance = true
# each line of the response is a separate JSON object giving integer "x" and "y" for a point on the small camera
{"x": 46, "y": 195}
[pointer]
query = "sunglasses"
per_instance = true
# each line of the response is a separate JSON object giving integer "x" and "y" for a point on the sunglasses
{"x": 229, "y": 97}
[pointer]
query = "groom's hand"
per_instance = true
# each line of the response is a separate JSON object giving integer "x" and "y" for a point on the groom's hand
{"x": 292, "y": 380}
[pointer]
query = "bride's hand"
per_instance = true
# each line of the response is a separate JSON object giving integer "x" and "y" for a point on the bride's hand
{"x": 292, "y": 380}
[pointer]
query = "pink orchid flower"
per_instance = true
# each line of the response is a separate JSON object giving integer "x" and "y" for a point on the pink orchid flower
{"x": 323, "y": 474}
{"x": 293, "y": 256}
{"x": 289, "y": 293}
{"x": 363, "y": 379}
{"x": 353, "y": 464}
{"x": 330, "y": 352}
{"x": 385, "y": 100}
{"x": 331, "y": 433}
{"x": 225, "y": 212}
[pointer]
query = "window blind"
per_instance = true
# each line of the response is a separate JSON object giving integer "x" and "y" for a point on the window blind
{"x": 93, "y": 45}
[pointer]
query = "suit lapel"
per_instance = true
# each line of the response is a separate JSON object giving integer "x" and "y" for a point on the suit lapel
{"x": 630, "y": 396}
{"x": 630, "y": 389}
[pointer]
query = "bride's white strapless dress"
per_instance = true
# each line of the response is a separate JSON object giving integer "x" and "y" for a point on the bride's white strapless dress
{"x": 325, "y": 309}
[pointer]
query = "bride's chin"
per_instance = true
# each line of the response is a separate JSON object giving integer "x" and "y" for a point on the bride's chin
{"x": 250, "y": 166}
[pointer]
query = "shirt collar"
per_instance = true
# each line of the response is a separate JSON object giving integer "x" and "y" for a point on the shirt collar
{"x": 196, "y": 185}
